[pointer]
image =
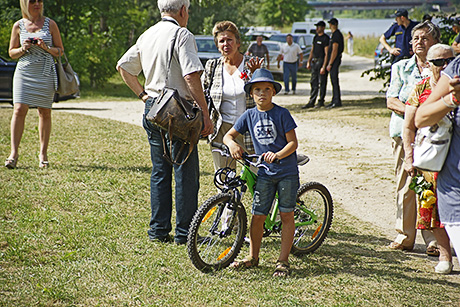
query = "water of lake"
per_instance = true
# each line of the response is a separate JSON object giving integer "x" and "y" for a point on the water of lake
{"x": 364, "y": 27}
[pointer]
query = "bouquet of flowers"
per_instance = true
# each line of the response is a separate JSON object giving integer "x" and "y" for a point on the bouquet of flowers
{"x": 426, "y": 197}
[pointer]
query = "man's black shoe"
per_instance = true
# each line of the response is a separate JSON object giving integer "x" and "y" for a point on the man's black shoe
{"x": 319, "y": 106}
{"x": 167, "y": 239}
{"x": 308, "y": 105}
{"x": 332, "y": 106}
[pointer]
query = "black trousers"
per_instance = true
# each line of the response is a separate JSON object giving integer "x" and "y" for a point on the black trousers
{"x": 318, "y": 82}
{"x": 334, "y": 73}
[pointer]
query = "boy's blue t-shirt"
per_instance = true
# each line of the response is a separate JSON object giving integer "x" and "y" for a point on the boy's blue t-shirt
{"x": 268, "y": 132}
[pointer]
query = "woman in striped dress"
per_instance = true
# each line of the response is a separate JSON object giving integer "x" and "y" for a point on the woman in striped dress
{"x": 35, "y": 39}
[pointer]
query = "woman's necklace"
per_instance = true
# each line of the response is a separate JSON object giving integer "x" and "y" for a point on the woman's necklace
{"x": 421, "y": 65}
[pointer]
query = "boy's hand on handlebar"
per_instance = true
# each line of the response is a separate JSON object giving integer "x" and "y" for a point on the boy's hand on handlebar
{"x": 236, "y": 151}
{"x": 270, "y": 157}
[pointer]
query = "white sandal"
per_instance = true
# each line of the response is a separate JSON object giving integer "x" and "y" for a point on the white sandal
{"x": 443, "y": 267}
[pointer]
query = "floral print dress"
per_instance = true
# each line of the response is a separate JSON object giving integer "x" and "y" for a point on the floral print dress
{"x": 427, "y": 212}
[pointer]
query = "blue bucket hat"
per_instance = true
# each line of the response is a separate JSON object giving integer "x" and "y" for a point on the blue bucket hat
{"x": 262, "y": 75}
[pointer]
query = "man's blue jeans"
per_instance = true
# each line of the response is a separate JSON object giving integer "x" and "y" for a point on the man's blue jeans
{"x": 186, "y": 190}
{"x": 290, "y": 69}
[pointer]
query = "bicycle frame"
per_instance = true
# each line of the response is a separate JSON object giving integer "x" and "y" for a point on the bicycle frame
{"x": 218, "y": 229}
{"x": 250, "y": 178}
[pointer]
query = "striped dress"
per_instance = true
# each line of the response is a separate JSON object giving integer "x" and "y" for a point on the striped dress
{"x": 35, "y": 80}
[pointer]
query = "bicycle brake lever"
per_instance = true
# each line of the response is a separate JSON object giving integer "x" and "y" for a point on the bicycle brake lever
{"x": 222, "y": 152}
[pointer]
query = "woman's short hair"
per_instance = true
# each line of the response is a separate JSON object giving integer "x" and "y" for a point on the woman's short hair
{"x": 223, "y": 26}
{"x": 430, "y": 28}
{"x": 438, "y": 47}
{"x": 25, "y": 9}
{"x": 172, "y": 6}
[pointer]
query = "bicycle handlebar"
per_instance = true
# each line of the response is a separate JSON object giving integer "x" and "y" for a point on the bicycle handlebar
{"x": 245, "y": 157}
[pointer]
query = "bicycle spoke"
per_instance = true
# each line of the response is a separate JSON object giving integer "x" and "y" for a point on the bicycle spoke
{"x": 216, "y": 233}
{"x": 313, "y": 217}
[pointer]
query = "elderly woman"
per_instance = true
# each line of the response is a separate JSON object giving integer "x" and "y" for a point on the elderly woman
{"x": 225, "y": 78}
{"x": 444, "y": 99}
{"x": 438, "y": 56}
{"x": 405, "y": 74}
{"x": 35, "y": 40}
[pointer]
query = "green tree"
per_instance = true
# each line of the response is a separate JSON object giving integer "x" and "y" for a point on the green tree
{"x": 96, "y": 33}
{"x": 282, "y": 12}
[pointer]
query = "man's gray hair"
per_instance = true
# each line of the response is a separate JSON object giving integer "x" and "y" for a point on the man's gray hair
{"x": 438, "y": 47}
{"x": 430, "y": 28}
{"x": 172, "y": 6}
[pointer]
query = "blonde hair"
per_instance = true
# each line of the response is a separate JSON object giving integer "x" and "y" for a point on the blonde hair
{"x": 223, "y": 26}
{"x": 25, "y": 9}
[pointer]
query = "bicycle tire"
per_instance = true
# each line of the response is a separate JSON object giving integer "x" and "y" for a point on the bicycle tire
{"x": 212, "y": 243}
{"x": 313, "y": 198}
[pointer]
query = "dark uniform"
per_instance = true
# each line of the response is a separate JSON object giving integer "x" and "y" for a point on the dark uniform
{"x": 318, "y": 82}
{"x": 336, "y": 37}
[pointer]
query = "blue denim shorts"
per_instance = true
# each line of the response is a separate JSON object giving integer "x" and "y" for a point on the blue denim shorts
{"x": 265, "y": 191}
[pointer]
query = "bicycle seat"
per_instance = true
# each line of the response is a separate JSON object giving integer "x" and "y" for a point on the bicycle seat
{"x": 302, "y": 159}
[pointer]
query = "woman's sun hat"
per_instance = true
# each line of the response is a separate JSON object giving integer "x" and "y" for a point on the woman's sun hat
{"x": 262, "y": 75}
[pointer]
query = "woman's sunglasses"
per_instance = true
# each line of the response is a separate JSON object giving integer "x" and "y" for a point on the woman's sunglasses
{"x": 441, "y": 62}
{"x": 33, "y": 1}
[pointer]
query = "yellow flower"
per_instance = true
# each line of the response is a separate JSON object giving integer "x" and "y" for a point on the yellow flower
{"x": 427, "y": 193}
{"x": 429, "y": 202}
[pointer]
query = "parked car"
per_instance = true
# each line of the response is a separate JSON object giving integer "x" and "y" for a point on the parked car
{"x": 6, "y": 79}
{"x": 6, "y": 83}
{"x": 305, "y": 42}
{"x": 206, "y": 48}
{"x": 382, "y": 58}
{"x": 266, "y": 32}
{"x": 304, "y": 26}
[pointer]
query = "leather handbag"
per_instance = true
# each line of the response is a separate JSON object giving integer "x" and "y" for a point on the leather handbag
{"x": 432, "y": 145}
{"x": 67, "y": 78}
{"x": 180, "y": 118}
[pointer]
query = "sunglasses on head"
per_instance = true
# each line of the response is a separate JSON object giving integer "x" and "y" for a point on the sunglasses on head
{"x": 441, "y": 62}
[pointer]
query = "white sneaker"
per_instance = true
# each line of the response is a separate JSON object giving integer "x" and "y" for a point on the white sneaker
{"x": 443, "y": 267}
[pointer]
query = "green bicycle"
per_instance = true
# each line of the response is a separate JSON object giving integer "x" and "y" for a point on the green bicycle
{"x": 219, "y": 226}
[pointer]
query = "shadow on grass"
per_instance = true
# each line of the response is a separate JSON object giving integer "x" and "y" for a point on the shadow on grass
{"x": 359, "y": 255}
{"x": 78, "y": 109}
{"x": 129, "y": 169}
{"x": 377, "y": 103}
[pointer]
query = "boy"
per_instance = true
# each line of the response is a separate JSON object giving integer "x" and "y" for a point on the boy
{"x": 272, "y": 131}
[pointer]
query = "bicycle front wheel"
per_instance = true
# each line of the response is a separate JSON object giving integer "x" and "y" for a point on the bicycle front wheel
{"x": 313, "y": 217}
{"x": 216, "y": 233}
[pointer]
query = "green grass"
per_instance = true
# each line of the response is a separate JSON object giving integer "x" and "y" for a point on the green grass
{"x": 75, "y": 235}
{"x": 113, "y": 89}
{"x": 364, "y": 45}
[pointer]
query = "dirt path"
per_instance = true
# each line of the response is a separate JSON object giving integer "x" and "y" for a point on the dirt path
{"x": 355, "y": 164}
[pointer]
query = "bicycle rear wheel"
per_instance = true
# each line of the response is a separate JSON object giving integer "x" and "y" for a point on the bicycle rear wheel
{"x": 216, "y": 233}
{"x": 313, "y": 217}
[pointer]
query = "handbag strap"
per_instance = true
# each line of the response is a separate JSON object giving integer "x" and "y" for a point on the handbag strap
{"x": 172, "y": 51}
{"x": 169, "y": 157}
{"x": 213, "y": 71}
